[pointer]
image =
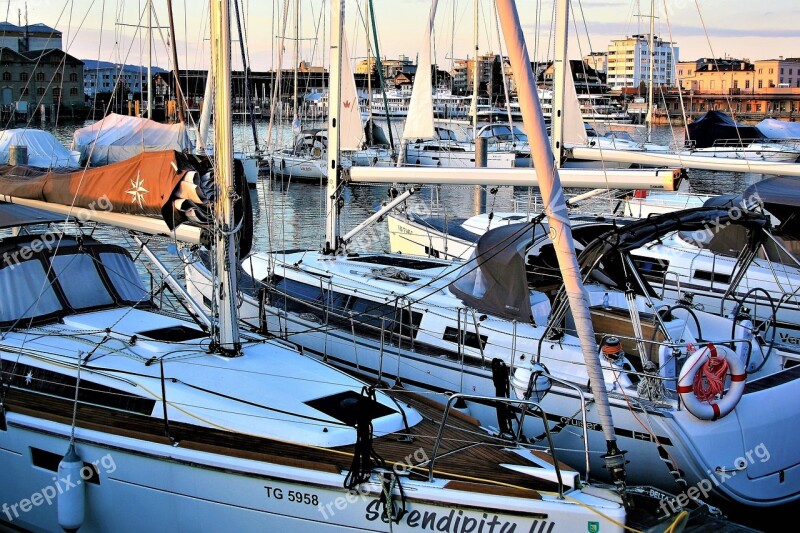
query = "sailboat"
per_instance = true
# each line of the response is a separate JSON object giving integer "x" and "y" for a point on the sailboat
{"x": 733, "y": 154}
{"x": 427, "y": 145}
{"x": 207, "y": 427}
{"x": 476, "y": 327}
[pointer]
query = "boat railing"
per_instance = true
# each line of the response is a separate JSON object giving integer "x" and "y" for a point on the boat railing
{"x": 528, "y": 404}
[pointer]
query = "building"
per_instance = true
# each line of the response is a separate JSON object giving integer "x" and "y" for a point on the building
{"x": 458, "y": 75}
{"x": 628, "y": 62}
{"x": 597, "y": 60}
{"x": 101, "y": 77}
{"x": 586, "y": 79}
{"x": 29, "y": 38}
{"x": 734, "y": 76}
{"x": 49, "y": 77}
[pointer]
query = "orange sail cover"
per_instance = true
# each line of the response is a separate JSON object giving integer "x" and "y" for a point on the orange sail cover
{"x": 163, "y": 184}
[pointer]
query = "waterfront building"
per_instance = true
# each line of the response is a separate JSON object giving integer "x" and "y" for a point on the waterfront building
{"x": 628, "y": 62}
{"x": 49, "y": 77}
{"x": 597, "y": 60}
{"x": 738, "y": 76}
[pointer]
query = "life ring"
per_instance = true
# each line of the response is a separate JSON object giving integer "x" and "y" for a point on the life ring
{"x": 697, "y": 392}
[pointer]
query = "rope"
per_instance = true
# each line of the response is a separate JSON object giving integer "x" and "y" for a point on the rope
{"x": 365, "y": 458}
{"x": 709, "y": 381}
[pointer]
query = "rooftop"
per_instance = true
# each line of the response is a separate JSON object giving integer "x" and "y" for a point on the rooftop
{"x": 8, "y": 27}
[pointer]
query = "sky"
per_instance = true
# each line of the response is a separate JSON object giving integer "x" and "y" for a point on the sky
{"x": 106, "y": 29}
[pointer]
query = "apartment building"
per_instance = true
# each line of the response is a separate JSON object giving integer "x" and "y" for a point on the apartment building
{"x": 628, "y": 62}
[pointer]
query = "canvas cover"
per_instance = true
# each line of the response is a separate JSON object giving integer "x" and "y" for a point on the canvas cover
{"x": 603, "y": 257}
{"x": 116, "y": 138}
{"x": 170, "y": 185}
{"x": 493, "y": 280}
{"x": 715, "y": 125}
{"x": 44, "y": 150}
{"x": 780, "y": 195}
{"x": 779, "y": 129}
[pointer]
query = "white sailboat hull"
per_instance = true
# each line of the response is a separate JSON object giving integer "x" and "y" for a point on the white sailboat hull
{"x": 420, "y": 156}
{"x": 148, "y": 486}
{"x": 675, "y": 440}
{"x": 682, "y": 278}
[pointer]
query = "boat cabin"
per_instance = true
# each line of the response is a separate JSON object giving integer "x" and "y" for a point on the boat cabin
{"x": 46, "y": 276}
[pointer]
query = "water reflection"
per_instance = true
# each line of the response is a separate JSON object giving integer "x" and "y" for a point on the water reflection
{"x": 292, "y": 214}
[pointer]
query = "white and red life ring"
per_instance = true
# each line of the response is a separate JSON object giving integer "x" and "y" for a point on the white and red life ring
{"x": 696, "y": 393}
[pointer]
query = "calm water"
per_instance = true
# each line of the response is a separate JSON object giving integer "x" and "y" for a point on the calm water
{"x": 291, "y": 215}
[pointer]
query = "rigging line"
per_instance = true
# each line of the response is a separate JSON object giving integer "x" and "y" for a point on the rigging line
{"x": 75, "y": 401}
{"x": 716, "y": 66}
{"x": 586, "y": 81}
{"x": 276, "y": 82}
{"x": 509, "y": 241}
{"x": 674, "y": 62}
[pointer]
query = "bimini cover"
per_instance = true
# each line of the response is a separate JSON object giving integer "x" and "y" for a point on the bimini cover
{"x": 44, "y": 150}
{"x": 715, "y": 125}
{"x": 780, "y": 195}
{"x": 779, "y": 129}
{"x": 493, "y": 280}
{"x": 118, "y": 137}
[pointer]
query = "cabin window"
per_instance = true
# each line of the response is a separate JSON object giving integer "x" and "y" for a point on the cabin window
{"x": 468, "y": 338}
{"x": 373, "y": 316}
{"x": 80, "y": 281}
{"x": 714, "y": 277}
{"x": 26, "y": 292}
{"x": 124, "y": 277}
{"x": 297, "y": 297}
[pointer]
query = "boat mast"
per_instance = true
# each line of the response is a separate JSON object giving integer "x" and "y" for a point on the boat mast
{"x": 651, "y": 64}
{"x": 178, "y": 92}
{"x": 224, "y": 238}
{"x": 150, "y": 59}
{"x": 474, "y": 104}
{"x": 334, "y": 101}
{"x": 295, "y": 118}
{"x": 560, "y": 73}
{"x": 371, "y": 139}
{"x": 245, "y": 71}
{"x": 558, "y": 220}
{"x": 379, "y": 69}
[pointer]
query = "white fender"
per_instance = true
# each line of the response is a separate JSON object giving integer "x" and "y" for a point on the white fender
{"x": 714, "y": 409}
{"x": 72, "y": 500}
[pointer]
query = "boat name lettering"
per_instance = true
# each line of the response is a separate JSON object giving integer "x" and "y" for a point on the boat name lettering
{"x": 275, "y": 493}
{"x": 789, "y": 339}
{"x": 293, "y": 496}
{"x": 449, "y": 522}
{"x": 591, "y": 426}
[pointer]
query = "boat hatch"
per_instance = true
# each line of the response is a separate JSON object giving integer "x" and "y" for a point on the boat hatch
{"x": 173, "y": 334}
{"x": 397, "y": 262}
{"x": 347, "y": 406}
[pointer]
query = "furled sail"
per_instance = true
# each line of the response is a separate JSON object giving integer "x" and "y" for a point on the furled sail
{"x": 419, "y": 123}
{"x": 351, "y": 133}
{"x": 173, "y": 186}
{"x": 574, "y": 128}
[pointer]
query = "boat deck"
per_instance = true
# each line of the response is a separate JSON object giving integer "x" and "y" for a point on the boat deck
{"x": 468, "y": 457}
